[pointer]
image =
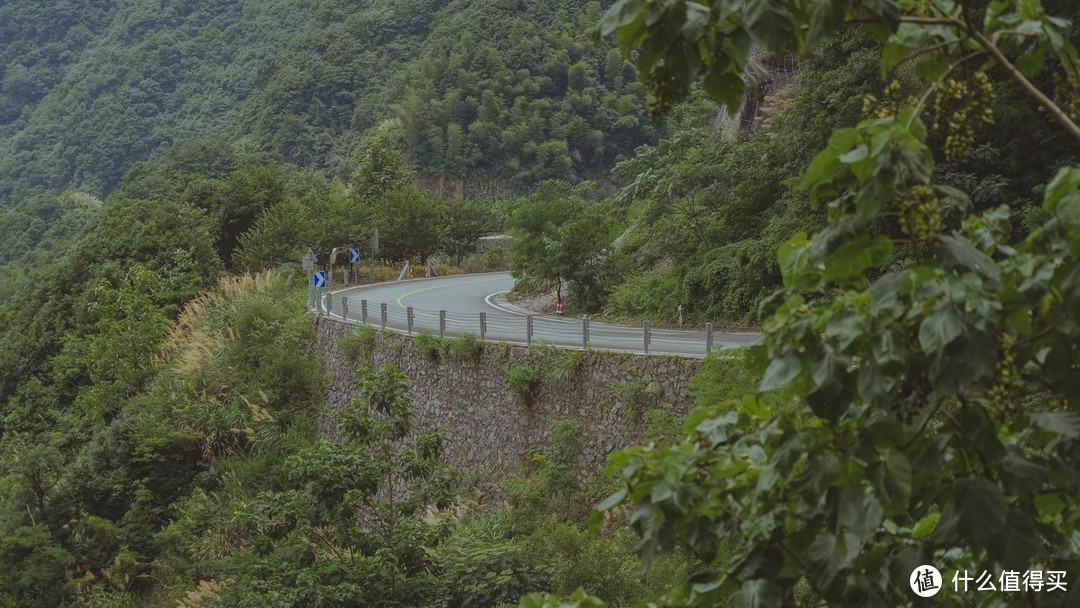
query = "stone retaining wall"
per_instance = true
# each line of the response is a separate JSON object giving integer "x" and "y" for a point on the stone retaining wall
{"x": 608, "y": 395}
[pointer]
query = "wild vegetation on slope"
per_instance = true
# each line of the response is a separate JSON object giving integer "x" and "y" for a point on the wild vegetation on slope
{"x": 86, "y": 91}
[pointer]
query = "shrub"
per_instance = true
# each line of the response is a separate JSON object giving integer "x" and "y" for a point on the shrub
{"x": 559, "y": 364}
{"x": 524, "y": 381}
{"x": 635, "y": 395}
{"x": 358, "y": 345}
{"x": 648, "y": 296}
{"x": 430, "y": 346}
{"x": 468, "y": 347}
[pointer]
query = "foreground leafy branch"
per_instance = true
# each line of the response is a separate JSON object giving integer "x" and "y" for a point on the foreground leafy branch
{"x": 939, "y": 388}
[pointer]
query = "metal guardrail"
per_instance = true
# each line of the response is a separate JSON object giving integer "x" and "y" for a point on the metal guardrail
{"x": 444, "y": 323}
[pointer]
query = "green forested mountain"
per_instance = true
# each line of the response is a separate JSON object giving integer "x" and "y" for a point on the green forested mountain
{"x": 902, "y": 222}
{"x": 88, "y": 90}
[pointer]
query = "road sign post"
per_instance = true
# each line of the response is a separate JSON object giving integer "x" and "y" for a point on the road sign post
{"x": 309, "y": 265}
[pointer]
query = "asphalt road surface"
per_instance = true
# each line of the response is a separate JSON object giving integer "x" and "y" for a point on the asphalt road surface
{"x": 464, "y": 297}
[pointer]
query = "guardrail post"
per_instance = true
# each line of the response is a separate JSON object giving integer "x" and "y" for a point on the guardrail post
{"x": 442, "y": 323}
{"x": 382, "y": 311}
{"x": 345, "y": 309}
{"x": 363, "y": 310}
{"x": 483, "y": 325}
{"x": 409, "y": 318}
{"x": 645, "y": 329}
{"x": 585, "y": 332}
{"x": 528, "y": 330}
{"x": 329, "y": 303}
{"x": 708, "y": 338}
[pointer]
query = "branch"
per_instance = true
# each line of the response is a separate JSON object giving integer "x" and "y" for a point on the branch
{"x": 926, "y": 51}
{"x": 1048, "y": 104}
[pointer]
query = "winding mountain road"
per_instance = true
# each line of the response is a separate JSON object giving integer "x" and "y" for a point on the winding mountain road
{"x": 464, "y": 297}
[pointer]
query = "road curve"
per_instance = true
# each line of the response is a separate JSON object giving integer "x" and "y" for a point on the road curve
{"x": 464, "y": 297}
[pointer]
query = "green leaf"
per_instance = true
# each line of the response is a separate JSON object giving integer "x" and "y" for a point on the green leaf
{"x": 855, "y": 155}
{"x": 1017, "y": 542}
{"x": 770, "y": 23}
{"x": 958, "y": 253}
{"x": 1021, "y": 476}
{"x": 759, "y": 593}
{"x": 620, "y": 14}
{"x": 826, "y": 17}
{"x": 717, "y": 429}
{"x": 1031, "y": 62}
{"x": 829, "y": 554}
{"x": 939, "y": 329}
{"x": 727, "y": 88}
{"x": 859, "y": 512}
{"x": 855, "y": 257}
{"x": 1049, "y": 506}
{"x": 908, "y": 36}
{"x": 697, "y": 19}
{"x": 1068, "y": 211}
{"x": 1065, "y": 182}
{"x": 893, "y": 481}
{"x": 781, "y": 370}
{"x": 977, "y": 512}
{"x": 612, "y": 501}
{"x": 926, "y": 526}
{"x": 1063, "y": 423}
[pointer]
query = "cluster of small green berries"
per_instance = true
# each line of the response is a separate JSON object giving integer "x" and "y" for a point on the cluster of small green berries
{"x": 1067, "y": 92}
{"x": 920, "y": 211}
{"x": 963, "y": 108}
{"x": 889, "y": 105}
{"x": 1006, "y": 375}
{"x": 665, "y": 91}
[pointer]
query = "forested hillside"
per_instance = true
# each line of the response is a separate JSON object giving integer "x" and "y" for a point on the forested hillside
{"x": 88, "y": 90}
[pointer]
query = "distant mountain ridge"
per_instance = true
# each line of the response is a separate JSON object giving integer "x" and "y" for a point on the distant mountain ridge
{"x": 501, "y": 89}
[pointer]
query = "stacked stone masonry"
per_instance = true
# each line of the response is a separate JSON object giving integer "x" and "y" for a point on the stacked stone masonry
{"x": 489, "y": 427}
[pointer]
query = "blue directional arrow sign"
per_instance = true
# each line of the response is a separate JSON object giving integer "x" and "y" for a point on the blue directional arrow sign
{"x": 354, "y": 256}
{"x": 319, "y": 279}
